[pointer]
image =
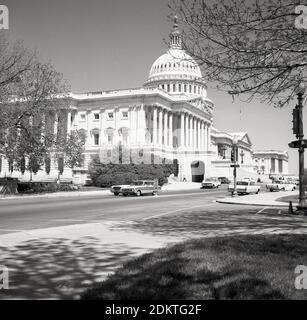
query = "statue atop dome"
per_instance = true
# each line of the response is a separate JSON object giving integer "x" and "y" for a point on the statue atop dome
{"x": 175, "y": 35}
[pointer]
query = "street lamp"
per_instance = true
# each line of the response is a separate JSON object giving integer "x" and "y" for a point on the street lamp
{"x": 300, "y": 90}
{"x": 234, "y": 150}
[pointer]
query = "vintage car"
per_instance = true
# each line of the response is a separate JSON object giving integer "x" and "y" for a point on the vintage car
{"x": 245, "y": 187}
{"x": 210, "y": 183}
{"x": 116, "y": 190}
{"x": 283, "y": 185}
{"x": 141, "y": 187}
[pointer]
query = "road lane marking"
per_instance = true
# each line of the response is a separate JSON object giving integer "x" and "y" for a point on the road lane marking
{"x": 177, "y": 210}
{"x": 260, "y": 211}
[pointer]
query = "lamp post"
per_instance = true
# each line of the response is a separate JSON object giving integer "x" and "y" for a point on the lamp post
{"x": 300, "y": 90}
{"x": 234, "y": 149}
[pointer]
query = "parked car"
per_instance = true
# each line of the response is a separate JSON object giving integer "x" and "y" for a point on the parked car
{"x": 210, "y": 183}
{"x": 245, "y": 187}
{"x": 116, "y": 190}
{"x": 141, "y": 187}
{"x": 224, "y": 180}
{"x": 278, "y": 185}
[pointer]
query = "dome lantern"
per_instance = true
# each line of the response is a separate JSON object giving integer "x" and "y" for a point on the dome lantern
{"x": 175, "y": 36}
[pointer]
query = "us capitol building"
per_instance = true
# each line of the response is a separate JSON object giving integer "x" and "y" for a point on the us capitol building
{"x": 169, "y": 118}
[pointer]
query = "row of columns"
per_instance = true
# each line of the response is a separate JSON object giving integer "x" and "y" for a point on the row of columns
{"x": 190, "y": 131}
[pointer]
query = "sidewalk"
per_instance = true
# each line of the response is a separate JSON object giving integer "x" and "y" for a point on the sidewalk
{"x": 58, "y": 194}
{"x": 268, "y": 199}
{"x": 61, "y": 262}
{"x": 169, "y": 187}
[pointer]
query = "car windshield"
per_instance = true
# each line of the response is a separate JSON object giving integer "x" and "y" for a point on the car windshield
{"x": 210, "y": 179}
{"x": 242, "y": 183}
{"x": 137, "y": 183}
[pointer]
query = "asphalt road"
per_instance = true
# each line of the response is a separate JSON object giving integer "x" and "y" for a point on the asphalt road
{"x": 35, "y": 213}
{"x": 27, "y": 214}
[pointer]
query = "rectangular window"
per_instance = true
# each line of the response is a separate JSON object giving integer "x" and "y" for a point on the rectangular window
{"x": 110, "y": 115}
{"x": 82, "y": 116}
{"x": 96, "y": 139}
{"x": 125, "y": 114}
{"x": 110, "y": 139}
{"x": 96, "y": 116}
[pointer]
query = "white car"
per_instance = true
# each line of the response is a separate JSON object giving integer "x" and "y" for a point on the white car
{"x": 278, "y": 185}
{"x": 210, "y": 183}
{"x": 116, "y": 190}
{"x": 245, "y": 187}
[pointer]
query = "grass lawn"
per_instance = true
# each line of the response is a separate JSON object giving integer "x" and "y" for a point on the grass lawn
{"x": 233, "y": 267}
{"x": 289, "y": 198}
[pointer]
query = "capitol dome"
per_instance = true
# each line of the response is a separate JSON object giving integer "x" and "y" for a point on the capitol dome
{"x": 175, "y": 71}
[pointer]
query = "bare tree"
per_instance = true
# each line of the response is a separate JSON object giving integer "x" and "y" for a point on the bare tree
{"x": 257, "y": 48}
{"x": 33, "y": 95}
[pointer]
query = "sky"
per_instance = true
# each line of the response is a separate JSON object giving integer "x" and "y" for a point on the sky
{"x": 111, "y": 44}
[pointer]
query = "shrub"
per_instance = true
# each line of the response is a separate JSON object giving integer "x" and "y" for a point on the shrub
{"x": 105, "y": 175}
{"x": 40, "y": 187}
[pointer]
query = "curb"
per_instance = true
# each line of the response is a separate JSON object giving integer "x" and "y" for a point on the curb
{"x": 256, "y": 204}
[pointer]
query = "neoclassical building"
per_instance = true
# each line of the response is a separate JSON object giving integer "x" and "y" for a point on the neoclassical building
{"x": 271, "y": 162}
{"x": 169, "y": 118}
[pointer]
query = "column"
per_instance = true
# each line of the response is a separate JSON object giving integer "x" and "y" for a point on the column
{"x": 206, "y": 136}
{"x": 160, "y": 126}
{"x": 132, "y": 125}
{"x": 191, "y": 132}
{"x": 187, "y": 130}
{"x": 68, "y": 123}
{"x": 202, "y": 147}
{"x": 141, "y": 125}
{"x": 195, "y": 134}
{"x": 182, "y": 130}
{"x": 198, "y": 135}
{"x": 170, "y": 137}
{"x": 209, "y": 137}
{"x": 154, "y": 140}
{"x": 165, "y": 132}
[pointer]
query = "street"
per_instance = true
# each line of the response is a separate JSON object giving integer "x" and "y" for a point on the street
{"x": 28, "y": 214}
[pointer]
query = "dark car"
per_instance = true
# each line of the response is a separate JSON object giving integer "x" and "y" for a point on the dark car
{"x": 224, "y": 180}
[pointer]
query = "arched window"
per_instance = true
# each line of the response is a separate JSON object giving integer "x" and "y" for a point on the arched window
{"x": 174, "y": 87}
{"x": 179, "y": 87}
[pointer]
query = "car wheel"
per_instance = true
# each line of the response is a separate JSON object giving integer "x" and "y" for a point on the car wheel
{"x": 155, "y": 193}
{"x": 138, "y": 193}
{"x": 271, "y": 190}
{"x": 283, "y": 189}
{"x": 125, "y": 194}
{"x": 257, "y": 192}
{"x": 116, "y": 193}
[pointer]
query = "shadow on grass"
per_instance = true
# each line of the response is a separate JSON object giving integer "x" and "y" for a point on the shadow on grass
{"x": 223, "y": 222}
{"x": 59, "y": 268}
{"x": 241, "y": 267}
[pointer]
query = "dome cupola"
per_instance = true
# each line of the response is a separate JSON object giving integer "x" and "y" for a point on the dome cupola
{"x": 175, "y": 71}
